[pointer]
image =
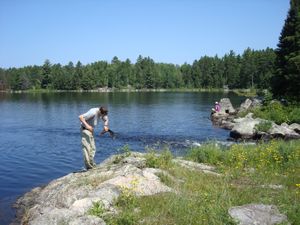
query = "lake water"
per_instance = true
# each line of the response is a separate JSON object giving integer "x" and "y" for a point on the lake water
{"x": 40, "y": 136}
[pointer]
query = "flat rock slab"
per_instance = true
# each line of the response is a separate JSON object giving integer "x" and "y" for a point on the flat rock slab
{"x": 257, "y": 214}
{"x": 197, "y": 166}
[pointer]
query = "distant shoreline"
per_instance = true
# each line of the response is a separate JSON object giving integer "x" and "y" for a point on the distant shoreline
{"x": 246, "y": 92}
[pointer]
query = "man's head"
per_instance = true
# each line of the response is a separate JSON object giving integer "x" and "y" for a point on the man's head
{"x": 103, "y": 110}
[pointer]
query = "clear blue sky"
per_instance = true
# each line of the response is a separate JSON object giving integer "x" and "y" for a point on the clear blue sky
{"x": 170, "y": 31}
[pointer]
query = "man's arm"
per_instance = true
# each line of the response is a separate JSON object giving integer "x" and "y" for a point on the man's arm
{"x": 105, "y": 126}
{"x": 86, "y": 125}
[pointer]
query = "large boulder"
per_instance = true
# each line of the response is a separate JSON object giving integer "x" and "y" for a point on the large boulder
{"x": 254, "y": 214}
{"x": 245, "y": 105}
{"x": 67, "y": 200}
{"x": 295, "y": 127}
{"x": 283, "y": 131}
{"x": 244, "y": 128}
{"x": 249, "y": 104}
{"x": 226, "y": 106}
{"x": 224, "y": 118}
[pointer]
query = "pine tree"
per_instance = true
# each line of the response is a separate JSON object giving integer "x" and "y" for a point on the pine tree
{"x": 46, "y": 77}
{"x": 286, "y": 82}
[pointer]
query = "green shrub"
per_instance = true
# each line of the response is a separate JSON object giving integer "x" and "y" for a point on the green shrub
{"x": 263, "y": 126}
{"x": 126, "y": 199}
{"x": 125, "y": 151}
{"x": 123, "y": 218}
{"x": 208, "y": 153}
{"x": 275, "y": 155}
{"x": 276, "y": 112}
{"x": 97, "y": 209}
{"x": 294, "y": 114}
{"x": 126, "y": 218}
{"x": 166, "y": 179}
{"x": 162, "y": 160}
{"x": 152, "y": 160}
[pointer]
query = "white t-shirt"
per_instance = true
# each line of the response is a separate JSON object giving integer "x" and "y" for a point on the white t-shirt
{"x": 92, "y": 116}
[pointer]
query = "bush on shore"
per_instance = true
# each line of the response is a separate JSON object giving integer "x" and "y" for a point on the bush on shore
{"x": 277, "y": 112}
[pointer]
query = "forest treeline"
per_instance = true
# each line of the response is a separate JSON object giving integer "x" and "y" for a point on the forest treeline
{"x": 252, "y": 69}
{"x": 278, "y": 70}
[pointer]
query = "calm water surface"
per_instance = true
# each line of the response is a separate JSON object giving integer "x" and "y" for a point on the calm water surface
{"x": 40, "y": 136}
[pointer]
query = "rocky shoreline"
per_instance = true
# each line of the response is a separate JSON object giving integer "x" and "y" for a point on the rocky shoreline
{"x": 68, "y": 200}
{"x": 245, "y": 128}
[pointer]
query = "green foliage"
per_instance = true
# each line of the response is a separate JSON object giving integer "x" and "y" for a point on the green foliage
{"x": 127, "y": 202}
{"x": 97, "y": 209}
{"x": 208, "y": 153}
{"x": 286, "y": 82}
{"x": 264, "y": 126}
{"x": 273, "y": 155}
{"x": 125, "y": 151}
{"x": 276, "y": 112}
{"x": 235, "y": 71}
{"x": 124, "y": 218}
{"x": 162, "y": 160}
{"x": 166, "y": 179}
{"x": 127, "y": 198}
{"x": 200, "y": 198}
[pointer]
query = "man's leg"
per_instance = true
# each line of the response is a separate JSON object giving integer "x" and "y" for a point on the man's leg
{"x": 93, "y": 151}
{"x": 88, "y": 148}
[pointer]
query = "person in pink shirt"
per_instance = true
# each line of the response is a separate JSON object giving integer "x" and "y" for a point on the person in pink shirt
{"x": 217, "y": 107}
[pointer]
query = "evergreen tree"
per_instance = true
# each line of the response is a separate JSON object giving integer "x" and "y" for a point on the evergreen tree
{"x": 46, "y": 77}
{"x": 186, "y": 71}
{"x": 196, "y": 74}
{"x": 248, "y": 69}
{"x": 231, "y": 70}
{"x": 286, "y": 82}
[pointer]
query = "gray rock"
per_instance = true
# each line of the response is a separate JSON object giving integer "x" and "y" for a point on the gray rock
{"x": 50, "y": 215}
{"x": 228, "y": 125}
{"x": 273, "y": 186}
{"x": 90, "y": 220}
{"x": 283, "y": 131}
{"x": 136, "y": 161}
{"x": 256, "y": 103}
{"x": 68, "y": 199}
{"x": 295, "y": 127}
{"x": 226, "y": 106}
{"x": 257, "y": 214}
{"x": 245, "y": 105}
{"x": 197, "y": 166}
{"x": 244, "y": 128}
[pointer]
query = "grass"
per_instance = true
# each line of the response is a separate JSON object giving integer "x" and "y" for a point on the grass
{"x": 205, "y": 199}
{"x": 162, "y": 160}
{"x": 246, "y": 92}
{"x": 97, "y": 209}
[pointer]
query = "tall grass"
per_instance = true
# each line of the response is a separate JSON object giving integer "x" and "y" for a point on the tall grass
{"x": 200, "y": 198}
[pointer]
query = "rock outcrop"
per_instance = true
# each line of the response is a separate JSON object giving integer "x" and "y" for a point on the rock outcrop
{"x": 245, "y": 128}
{"x": 67, "y": 200}
{"x": 226, "y": 106}
{"x": 257, "y": 214}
